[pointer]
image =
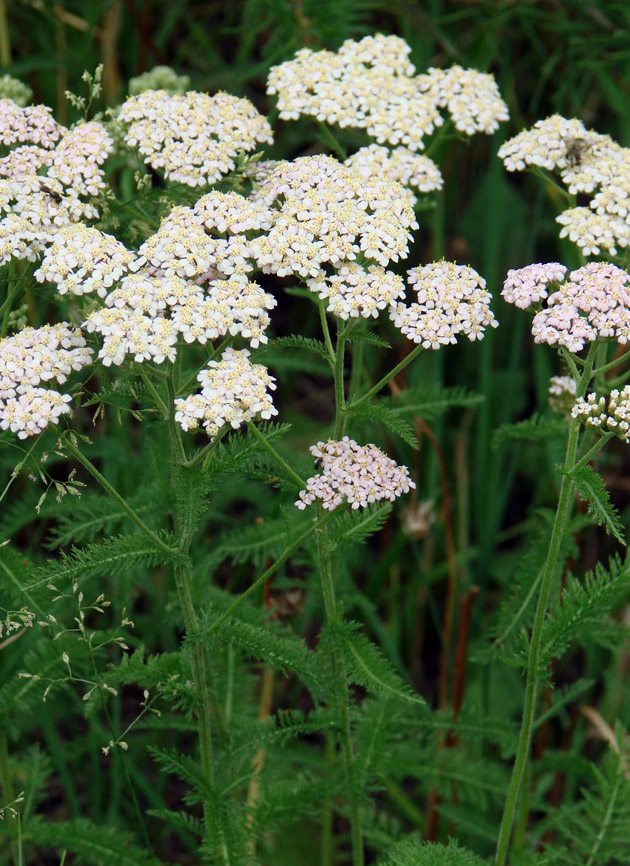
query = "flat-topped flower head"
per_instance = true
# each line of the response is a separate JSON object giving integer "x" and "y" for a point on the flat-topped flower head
{"x": 355, "y": 291}
{"x": 471, "y": 97}
{"x": 193, "y": 138}
{"x": 452, "y": 300}
{"x": 36, "y": 355}
{"x": 593, "y": 302}
{"x": 412, "y": 170}
{"x": 82, "y": 260}
{"x": 371, "y": 85}
{"x": 355, "y": 474}
{"x": 593, "y": 231}
{"x": 611, "y": 415}
{"x": 234, "y": 391}
{"x": 78, "y": 156}
{"x": 31, "y": 125}
{"x": 28, "y": 358}
{"x": 529, "y": 285}
{"x": 32, "y": 411}
{"x": 326, "y": 213}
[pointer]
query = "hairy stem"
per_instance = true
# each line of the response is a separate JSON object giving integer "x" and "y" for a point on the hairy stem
{"x": 563, "y": 513}
{"x": 340, "y": 697}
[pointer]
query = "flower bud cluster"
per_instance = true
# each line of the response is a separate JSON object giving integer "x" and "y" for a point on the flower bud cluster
{"x": 195, "y": 138}
{"x": 588, "y": 162}
{"x": 593, "y": 302}
{"x": 15, "y": 90}
{"x": 398, "y": 164}
{"x": 32, "y": 356}
{"x": 561, "y": 392}
{"x": 352, "y": 473}
{"x": 452, "y": 300}
{"x": 234, "y": 391}
{"x": 614, "y": 417}
{"x": 82, "y": 260}
{"x": 159, "y": 78}
{"x": 370, "y": 84}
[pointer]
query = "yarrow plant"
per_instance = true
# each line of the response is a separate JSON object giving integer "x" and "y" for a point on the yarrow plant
{"x": 222, "y": 341}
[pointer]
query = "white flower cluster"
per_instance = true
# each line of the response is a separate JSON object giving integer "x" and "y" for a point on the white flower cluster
{"x": 614, "y": 417}
{"x": 189, "y": 280}
{"x": 195, "y": 138}
{"x": 452, "y": 300}
{"x": 399, "y": 164}
{"x": 326, "y": 213}
{"x": 562, "y": 391}
{"x": 471, "y": 97}
{"x": 593, "y": 302}
{"x": 370, "y": 84}
{"x": 82, "y": 260}
{"x": 234, "y": 391}
{"x": 38, "y": 206}
{"x": 352, "y": 473}
{"x": 587, "y": 162}
{"x": 355, "y": 291}
{"x": 32, "y": 356}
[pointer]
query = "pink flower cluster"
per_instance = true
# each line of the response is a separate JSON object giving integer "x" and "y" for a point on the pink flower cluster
{"x": 593, "y": 302}
{"x": 528, "y": 285}
{"x": 352, "y": 473}
{"x": 33, "y": 124}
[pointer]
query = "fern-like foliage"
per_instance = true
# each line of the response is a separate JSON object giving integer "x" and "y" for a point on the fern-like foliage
{"x": 534, "y": 429}
{"x": 585, "y": 604}
{"x": 358, "y": 525}
{"x": 430, "y": 401}
{"x": 595, "y": 830}
{"x": 114, "y": 556}
{"x": 380, "y": 413}
{"x": 414, "y": 852}
{"x": 90, "y": 844}
{"x": 593, "y": 491}
{"x": 366, "y": 665}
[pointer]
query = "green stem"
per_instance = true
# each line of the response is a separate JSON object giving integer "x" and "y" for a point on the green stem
{"x": 614, "y": 363}
{"x": 267, "y": 574}
{"x": 5, "y": 780}
{"x": 279, "y": 460}
{"x": 602, "y": 440}
{"x": 83, "y": 460}
{"x": 5, "y": 309}
{"x": 563, "y": 512}
{"x": 333, "y": 619}
{"x": 326, "y": 332}
{"x": 332, "y": 141}
{"x": 382, "y": 382}
{"x": 340, "y": 396}
{"x": 185, "y": 527}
